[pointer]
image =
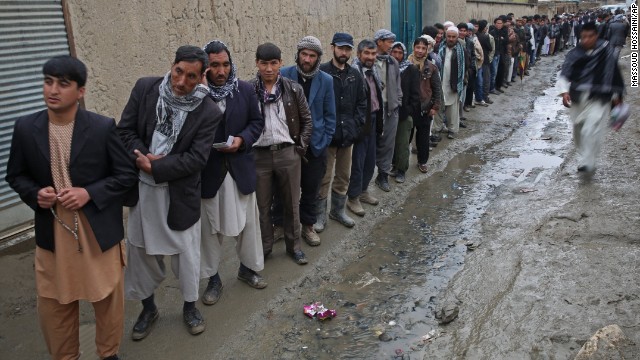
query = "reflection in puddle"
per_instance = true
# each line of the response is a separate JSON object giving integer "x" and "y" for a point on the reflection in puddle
{"x": 387, "y": 300}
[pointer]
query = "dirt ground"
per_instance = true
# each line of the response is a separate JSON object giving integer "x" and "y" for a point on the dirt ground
{"x": 535, "y": 257}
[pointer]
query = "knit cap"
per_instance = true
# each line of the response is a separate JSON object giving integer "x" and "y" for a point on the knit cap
{"x": 311, "y": 43}
{"x": 384, "y": 34}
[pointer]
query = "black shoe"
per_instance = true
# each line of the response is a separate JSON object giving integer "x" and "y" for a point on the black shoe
{"x": 298, "y": 257}
{"x": 400, "y": 177}
{"x": 463, "y": 118}
{"x": 382, "y": 182}
{"x": 112, "y": 357}
{"x": 435, "y": 138}
{"x": 489, "y": 101}
{"x": 143, "y": 325}
{"x": 451, "y": 136}
{"x": 194, "y": 321}
{"x": 212, "y": 293}
{"x": 252, "y": 279}
{"x": 463, "y": 125}
{"x": 433, "y": 144}
{"x": 500, "y": 91}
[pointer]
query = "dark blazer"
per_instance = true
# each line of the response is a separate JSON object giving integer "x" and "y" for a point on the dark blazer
{"x": 98, "y": 163}
{"x": 243, "y": 118}
{"x": 181, "y": 167}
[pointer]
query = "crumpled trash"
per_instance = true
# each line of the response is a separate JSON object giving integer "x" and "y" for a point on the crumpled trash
{"x": 527, "y": 190}
{"x": 318, "y": 311}
{"x": 367, "y": 279}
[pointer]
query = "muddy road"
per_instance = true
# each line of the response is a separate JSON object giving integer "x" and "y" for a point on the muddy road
{"x": 534, "y": 258}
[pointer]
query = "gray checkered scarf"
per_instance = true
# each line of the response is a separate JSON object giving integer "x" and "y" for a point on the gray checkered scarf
{"x": 172, "y": 110}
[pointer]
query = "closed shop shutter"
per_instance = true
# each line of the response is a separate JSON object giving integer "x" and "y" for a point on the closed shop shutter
{"x": 31, "y": 32}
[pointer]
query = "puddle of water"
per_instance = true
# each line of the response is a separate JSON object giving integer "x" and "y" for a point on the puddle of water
{"x": 415, "y": 253}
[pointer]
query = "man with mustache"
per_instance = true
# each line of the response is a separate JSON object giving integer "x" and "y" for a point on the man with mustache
{"x": 391, "y": 93}
{"x": 351, "y": 109}
{"x": 229, "y": 205}
{"x": 363, "y": 160}
{"x": 169, "y": 125}
{"x": 318, "y": 90}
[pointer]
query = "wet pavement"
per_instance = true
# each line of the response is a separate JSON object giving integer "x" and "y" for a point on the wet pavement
{"x": 494, "y": 231}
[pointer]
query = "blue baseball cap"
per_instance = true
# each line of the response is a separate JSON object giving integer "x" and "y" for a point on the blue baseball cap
{"x": 342, "y": 39}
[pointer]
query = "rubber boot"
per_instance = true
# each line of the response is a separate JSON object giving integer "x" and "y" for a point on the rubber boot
{"x": 337, "y": 210}
{"x": 321, "y": 211}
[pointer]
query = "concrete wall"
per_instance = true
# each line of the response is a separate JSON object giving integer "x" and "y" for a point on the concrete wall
{"x": 438, "y": 11}
{"x": 462, "y": 10}
{"x": 122, "y": 40}
{"x": 489, "y": 10}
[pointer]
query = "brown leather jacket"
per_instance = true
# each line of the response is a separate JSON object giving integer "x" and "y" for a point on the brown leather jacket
{"x": 430, "y": 88}
{"x": 298, "y": 114}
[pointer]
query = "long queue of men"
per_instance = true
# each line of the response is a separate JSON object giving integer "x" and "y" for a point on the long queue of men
{"x": 199, "y": 155}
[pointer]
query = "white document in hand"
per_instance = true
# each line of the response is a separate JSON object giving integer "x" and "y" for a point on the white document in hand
{"x": 223, "y": 145}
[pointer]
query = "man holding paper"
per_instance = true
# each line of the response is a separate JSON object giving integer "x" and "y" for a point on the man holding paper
{"x": 229, "y": 206}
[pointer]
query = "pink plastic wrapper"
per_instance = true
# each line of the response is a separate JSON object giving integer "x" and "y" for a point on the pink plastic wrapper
{"x": 318, "y": 311}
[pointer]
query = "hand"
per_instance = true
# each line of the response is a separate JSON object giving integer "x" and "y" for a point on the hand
{"x": 432, "y": 112}
{"x": 47, "y": 197}
{"x": 142, "y": 162}
{"x": 616, "y": 101}
{"x": 566, "y": 100}
{"x": 234, "y": 147}
{"x": 205, "y": 81}
{"x": 74, "y": 198}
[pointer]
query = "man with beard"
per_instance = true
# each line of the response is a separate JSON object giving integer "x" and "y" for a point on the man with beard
{"x": 169, "y": 124}
{"x": 318, "y": 90}
{"x": 280, "y": 149}
{"x": 452, "y": 75}
{"x": 391, "y": 93}
{"x": 410, "y": 82}
{"x": 229, "y": 205}
{"x": 363, "y": 160}
{"x": 351, "y": 112}
{"x": 590, "y": 82}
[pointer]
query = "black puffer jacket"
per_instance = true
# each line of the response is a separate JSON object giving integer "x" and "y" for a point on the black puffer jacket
{"x": 351, "y": 103}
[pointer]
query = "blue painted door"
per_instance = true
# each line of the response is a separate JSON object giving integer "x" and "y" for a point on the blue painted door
{"x": 406, "y": 20}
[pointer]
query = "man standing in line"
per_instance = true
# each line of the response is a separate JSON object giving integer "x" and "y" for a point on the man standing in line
{"x": 482, "y": 88}
{"x": 363, "y": 160}
{"x": 430, "y": 95}
{"x": 71, "y": 168}
{"x": 590, "y": 82}
{"x": 410, "y": 82}
{"x": 391, "y": 93}
{"x": 500, "y": 37}
{"x": 169, "y": 124}
{"x": 280, "y": 149}
{"x": 351, "y": 112}
{"x": 318, "y": 90}
{"x": 452, "y": 75}
{"x": 229, "y": 205}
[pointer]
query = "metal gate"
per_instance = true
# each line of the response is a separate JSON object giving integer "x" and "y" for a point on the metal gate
{"x": 30, "y": 33}
{"x": 406, "y": 21}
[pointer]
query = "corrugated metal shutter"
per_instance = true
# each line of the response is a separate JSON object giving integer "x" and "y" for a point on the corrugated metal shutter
{"x": 30, "y": 33}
